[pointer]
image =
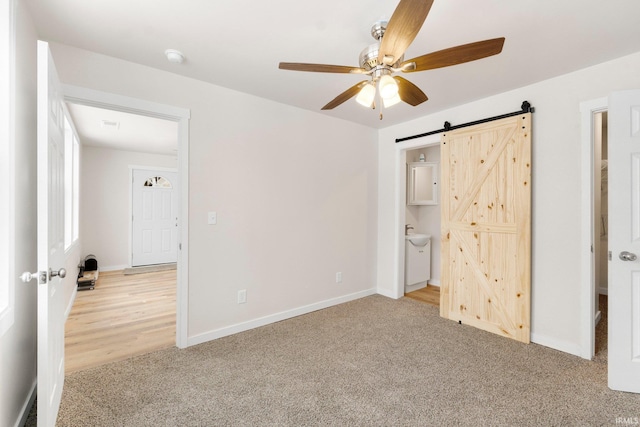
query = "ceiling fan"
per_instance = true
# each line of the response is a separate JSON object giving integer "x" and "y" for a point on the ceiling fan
{"x": 381, "y": 60}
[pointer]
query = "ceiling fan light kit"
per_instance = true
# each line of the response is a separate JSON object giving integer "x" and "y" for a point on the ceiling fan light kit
{"x": 387, "y": 87}
{"x": 390, "y": 102}
{"x": 381, "y": 60}
{"x": 366, "y": 95}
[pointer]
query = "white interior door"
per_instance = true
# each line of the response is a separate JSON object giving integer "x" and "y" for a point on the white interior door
{"x": 154, "y": 217}
{"x": 624, "y": 241}
{"x": 51, "y": 253}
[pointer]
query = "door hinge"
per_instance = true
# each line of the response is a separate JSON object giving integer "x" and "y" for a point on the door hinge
{"x": 180, "y": 246}
{"x": 591, "y": 248}
{"x": 609, "y": 255}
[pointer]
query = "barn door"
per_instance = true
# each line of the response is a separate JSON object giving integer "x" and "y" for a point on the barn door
{"x": 486, "y": 237}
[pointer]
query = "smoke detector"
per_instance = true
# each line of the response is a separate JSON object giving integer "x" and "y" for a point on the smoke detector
{"x": 174, "y": 56}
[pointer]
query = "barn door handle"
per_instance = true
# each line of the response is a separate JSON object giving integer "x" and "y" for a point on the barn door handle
{"x": 628, "y": 256}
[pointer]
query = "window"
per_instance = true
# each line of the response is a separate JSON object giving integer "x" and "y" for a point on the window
{"x": 158, "y": 181}
{"x": 71, "y": 183}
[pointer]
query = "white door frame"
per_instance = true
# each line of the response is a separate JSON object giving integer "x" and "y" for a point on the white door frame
{"x": 401, "y": 205}
{"x": 93, "y": 98}
{"x": 131, "y": 169}
{"x": 587, "y": 257}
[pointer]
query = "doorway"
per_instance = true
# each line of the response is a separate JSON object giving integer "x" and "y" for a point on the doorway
{"x": 422, "y": 216}
{"x": 600, "y": 229}
{"x": 424, "y": 219}
{"x": 180, "y": 118}
{"x": 122, "y": 314}
{"x": 594, "y": 232}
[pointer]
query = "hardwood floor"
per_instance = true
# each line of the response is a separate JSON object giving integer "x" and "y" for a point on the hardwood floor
{"x": 430, "y": 295}
{"x": 123, "y": 316}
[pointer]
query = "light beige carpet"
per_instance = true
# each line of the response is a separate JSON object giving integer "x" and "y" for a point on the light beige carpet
{"x": 370, "y": 362}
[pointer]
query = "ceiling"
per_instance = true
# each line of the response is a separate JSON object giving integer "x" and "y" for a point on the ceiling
{"x": 116, "y": 130}
{"x": 239, "y": 43}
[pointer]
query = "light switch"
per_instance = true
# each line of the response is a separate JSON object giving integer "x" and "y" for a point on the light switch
{"x": 212, "y": 218}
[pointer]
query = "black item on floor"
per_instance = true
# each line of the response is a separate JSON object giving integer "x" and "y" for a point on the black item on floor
{"x": 88, "y": 273}
{"x": 90, "y": 263}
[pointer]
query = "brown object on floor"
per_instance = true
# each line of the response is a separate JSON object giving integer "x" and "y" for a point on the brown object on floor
{"x": 88, "y": 280}
{"x": 124, "y": 316}
{"x": 430, "y": 295}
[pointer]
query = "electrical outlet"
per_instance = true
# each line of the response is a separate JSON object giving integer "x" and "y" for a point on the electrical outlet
{"x": 212, "y": 218}
{"x": 339, "y": 277}
{"x": 242, "y": 296}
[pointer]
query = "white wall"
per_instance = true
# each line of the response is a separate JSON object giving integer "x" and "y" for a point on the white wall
{"x": 556, "y": 212}
{"x": 295, "y": 194}
{"x": 104, "y": 201}
{"x": 18, "y": 344}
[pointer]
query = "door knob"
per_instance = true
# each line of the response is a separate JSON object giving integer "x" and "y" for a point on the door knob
{"x": 26, "y": 277}
{"x": 62, "y": 273}
{"x": 628, "y": 256}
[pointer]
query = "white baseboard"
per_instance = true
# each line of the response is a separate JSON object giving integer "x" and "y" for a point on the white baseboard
{"x": 277, "y": 317}
{"x": 114, "y": 267}
{"x": 389, "y": 293}
{"x": 556, "y": 344}
{"x": 434, "y": 282}
{"x": 26, "y": 408}
{"x": 603, "y": 290}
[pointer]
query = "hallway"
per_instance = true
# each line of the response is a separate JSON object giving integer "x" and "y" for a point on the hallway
{"x": 124, "y": 316}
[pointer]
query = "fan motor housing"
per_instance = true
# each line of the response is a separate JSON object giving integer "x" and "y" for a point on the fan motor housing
{"x": 369, "y": 57}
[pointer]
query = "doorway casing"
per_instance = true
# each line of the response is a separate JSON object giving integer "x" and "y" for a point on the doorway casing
{"x": 93, "y": 98}
{"x": 400, "y": 206}
{"x": 587, "y": 257}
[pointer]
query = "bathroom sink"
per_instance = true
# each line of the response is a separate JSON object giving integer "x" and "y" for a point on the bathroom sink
{"x": 418, "y": 239}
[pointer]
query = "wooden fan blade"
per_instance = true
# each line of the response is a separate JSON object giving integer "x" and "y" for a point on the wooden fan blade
{"x": 456, "y": 55}
{"x": 403, "y": 27}
{"x": 346, "y": 95}
{"x": 320, "y": 68}
{"x": 408, "y": 92}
